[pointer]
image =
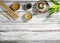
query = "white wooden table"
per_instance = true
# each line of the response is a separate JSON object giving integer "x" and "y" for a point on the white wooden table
{"x": 38, "y": 29}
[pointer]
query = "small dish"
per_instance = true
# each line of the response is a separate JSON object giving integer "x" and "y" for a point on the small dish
{"x": 27, "y": 6}
{"x": 42, "y": 6}
{"x": 27, "y": 16}
{"x": 15, "y": 6}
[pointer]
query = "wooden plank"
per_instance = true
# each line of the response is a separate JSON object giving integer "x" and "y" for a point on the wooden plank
{"x": 9, "y": 36}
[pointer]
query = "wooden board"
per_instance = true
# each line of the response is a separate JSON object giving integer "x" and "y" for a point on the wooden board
{"x": 37, "y": 29}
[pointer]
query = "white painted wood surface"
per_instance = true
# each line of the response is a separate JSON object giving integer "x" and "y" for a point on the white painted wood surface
{"x": 38, "y": 28}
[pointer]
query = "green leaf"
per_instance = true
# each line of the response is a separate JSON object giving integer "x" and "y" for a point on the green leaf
{"x": 59, "y": 7}
{"x": 51, "y": 11}
{"x": 54, "y": 2}
{"x": 54, "y": 9}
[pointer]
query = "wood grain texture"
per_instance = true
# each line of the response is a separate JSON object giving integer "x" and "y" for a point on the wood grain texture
{"x": 34, "y": 31}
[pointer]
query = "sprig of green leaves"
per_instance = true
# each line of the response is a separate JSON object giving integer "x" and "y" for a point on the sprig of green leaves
{"x": 54, "y": 8}
{"x": 54, "y": 2}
